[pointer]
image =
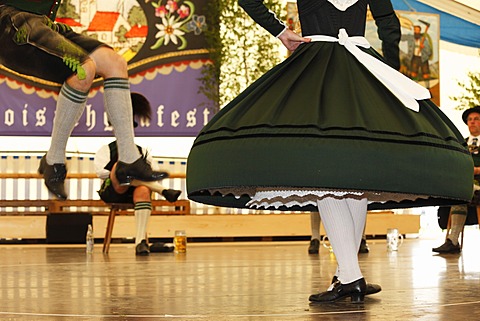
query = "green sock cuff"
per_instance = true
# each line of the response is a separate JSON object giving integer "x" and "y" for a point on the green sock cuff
{"x": 116, "y": 83}
{"x": 143, "y": 206}
{"x": 72, "y": 94}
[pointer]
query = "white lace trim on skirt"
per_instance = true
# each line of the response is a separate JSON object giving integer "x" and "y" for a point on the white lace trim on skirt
{"x": 288, "y": 197}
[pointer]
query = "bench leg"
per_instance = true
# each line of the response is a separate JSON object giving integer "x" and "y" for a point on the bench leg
{"x": 109, "y": 230}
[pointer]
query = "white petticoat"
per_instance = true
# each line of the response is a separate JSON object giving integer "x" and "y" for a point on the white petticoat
{"x": 262, "y": 198}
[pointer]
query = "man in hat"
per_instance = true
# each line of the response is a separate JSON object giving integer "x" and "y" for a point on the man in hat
{"x": 139, "y": 193}
{"x": 458, "y": 213}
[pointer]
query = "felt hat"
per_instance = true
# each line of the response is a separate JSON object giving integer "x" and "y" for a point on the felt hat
{"x": 467, "y": 112}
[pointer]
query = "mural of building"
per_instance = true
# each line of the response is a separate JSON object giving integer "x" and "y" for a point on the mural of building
{"x": 107, "y": 22}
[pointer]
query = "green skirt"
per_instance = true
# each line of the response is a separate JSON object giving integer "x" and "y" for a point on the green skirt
{"x": 321, "y": 121}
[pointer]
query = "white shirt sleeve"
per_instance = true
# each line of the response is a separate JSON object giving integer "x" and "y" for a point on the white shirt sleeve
{"x": 149, "y": 158}
{"x": 102, "y": 158}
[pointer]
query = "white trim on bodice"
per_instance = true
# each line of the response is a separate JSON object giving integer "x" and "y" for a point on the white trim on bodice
{"x": 343, "y": 5}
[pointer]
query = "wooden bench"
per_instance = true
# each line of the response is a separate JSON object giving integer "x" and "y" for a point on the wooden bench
{"x": 181, "y": 207}
{"x": 25, "y": 207}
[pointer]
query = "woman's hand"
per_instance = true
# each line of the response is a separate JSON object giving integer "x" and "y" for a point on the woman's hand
{"x": 291, "y": 40}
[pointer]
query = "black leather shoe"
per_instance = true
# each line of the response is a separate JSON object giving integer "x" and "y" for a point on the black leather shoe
{"x": 139, "y": 170}
{"x": 142, "y": 248}
{"x": 448, "y": 247}
{"x": 171, "y": 195}
{"x": 160, "y": 247}
{"x": 314, "y": 246}
{"x": 363, "y": 247}
{"x": 54, "y": 177}
{"x": 372, "y": 288}
{"x": 355, "y": 290}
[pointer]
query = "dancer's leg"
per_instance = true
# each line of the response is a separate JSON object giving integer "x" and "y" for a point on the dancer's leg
{"x": 315, "y": 225}
{"x": 358, "y": 210}
{"x": 341, "y": 228}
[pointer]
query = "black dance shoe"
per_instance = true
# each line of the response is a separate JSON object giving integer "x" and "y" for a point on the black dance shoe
{"x": 171, "y": 195}
{"x": 448, "y": 247}
{"x": 372, "y": 288}
{"x": 54, "y": 177}
{"x": 314, "y": 246}
{"x": 139, "y": 170}
{"x": 142, "y": 248}
{"x": 355, "y": 290}
{"x": 160, "y": 247}
{"x": 363, "y": 247}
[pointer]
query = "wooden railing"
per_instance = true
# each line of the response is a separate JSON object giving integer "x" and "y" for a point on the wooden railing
{"x": 92, "y": 203}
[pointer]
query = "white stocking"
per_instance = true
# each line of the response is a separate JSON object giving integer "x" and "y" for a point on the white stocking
{"x": 315, "y": 225}
{"x": 344, "y": 221}
{"x": 143, "y": 210}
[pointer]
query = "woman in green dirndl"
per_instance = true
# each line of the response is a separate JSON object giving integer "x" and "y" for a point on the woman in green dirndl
{"x": 334, "y": 129}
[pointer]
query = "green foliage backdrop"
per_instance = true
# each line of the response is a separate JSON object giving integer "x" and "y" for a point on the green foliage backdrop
{"x": 471, "y": 92}
{"x": 240, "y": 49}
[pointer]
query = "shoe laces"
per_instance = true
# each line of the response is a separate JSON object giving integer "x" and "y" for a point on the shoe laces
{"x": 144, "y": 165}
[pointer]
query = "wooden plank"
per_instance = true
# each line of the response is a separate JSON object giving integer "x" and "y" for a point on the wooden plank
{"x": 377, "y": 224}
{"x": 23, "y": 227}
{"x": 226, "y": 225}
{"x": 69, "y": 175}
{"x": 25, "y": 203}
{"x": 24, "y": 207}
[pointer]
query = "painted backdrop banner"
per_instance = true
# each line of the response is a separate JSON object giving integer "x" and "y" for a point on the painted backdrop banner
{"x": 419, "y": 48}
{"x": 164, "y": 44}
{"x": 419, "y": 45}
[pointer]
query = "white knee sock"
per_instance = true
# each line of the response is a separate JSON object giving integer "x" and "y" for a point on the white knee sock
{"x": 70, "y": 107}
{"x": 315, "y": 225}
{"x": 142, "y": 214}
{"x": 118, "y": 105}
{"x": 341, "y": 219}
{"x": 457, "y": 224}
{"x": 358, "y": 209}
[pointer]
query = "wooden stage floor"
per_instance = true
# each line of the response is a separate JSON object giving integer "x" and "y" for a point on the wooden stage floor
{"x": 234, "y": 281}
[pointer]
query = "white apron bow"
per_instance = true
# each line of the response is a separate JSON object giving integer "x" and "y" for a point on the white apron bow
{"x": 405, "y": 89}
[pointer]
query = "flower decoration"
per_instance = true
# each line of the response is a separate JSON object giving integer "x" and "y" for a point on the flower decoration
{"x": 197, "y": 24}
{"x": 177, "y": 18}
{"x": 169, "y": 30}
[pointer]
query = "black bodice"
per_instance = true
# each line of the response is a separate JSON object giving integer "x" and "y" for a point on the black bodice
{"x": 320, "y": 17}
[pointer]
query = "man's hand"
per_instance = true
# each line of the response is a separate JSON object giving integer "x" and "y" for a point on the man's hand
{"x": 476, "y": 171}
{"x": 291, "y": 40}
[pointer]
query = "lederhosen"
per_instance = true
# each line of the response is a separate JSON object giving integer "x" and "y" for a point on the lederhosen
{"x": 32, "y": 44}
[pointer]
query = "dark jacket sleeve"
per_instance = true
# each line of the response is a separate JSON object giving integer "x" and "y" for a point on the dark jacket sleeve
{"x": 389, "y": 30}
{"x": 262, "y": 15}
